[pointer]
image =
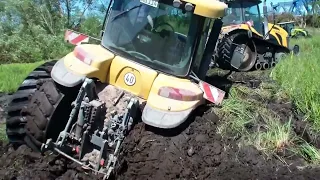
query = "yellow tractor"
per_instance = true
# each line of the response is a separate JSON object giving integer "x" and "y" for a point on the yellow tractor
{"x": 148, "y": 65}
{"x": 247, "y": 41}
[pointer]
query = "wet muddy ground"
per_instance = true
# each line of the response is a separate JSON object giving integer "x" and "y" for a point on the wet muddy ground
{"x": 193, "y": 151}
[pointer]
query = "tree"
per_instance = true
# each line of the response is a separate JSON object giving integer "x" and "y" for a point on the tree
{"x": 33, "y": 30}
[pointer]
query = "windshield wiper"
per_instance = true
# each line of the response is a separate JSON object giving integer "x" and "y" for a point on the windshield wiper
{"x": 125, "y": 12}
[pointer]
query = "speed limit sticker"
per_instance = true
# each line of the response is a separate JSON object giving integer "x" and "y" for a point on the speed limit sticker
{"x": 129, "y": 79}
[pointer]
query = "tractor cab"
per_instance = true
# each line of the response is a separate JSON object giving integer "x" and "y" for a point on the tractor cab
{"x": 157, "y": 50}
{"x": 163, "y": 35}
{"x": 288, "y": 26}
{"x": 156, "y": 35}
{"x": 244, "y": 11}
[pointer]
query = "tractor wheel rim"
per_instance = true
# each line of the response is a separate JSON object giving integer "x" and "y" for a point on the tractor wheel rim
{"x": 248, "y": 60}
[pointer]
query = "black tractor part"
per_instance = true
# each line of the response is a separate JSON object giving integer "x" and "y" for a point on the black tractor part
{"x": 237, "y": 51}
{"x": 36, "y": 103}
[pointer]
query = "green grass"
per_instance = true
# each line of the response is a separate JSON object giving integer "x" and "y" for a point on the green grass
{"x": 238, "y": 110}
{"x": 299, "y": 76}
{"x": 276, "y": 136}
{"x": 246, "y": 116}
{"x": 247, "y": 108}
{"x": 310, "y": 153}
{"x": 12, "y": 75}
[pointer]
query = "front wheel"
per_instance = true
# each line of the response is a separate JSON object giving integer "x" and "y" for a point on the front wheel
{"x": 39, "y": 101}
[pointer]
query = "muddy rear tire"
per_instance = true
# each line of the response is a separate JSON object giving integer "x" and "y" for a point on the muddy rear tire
{"x": 37, "y": 103}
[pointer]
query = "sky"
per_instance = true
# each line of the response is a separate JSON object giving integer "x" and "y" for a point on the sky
{"x": 300, "y": 6}
{"x": 276, "y": 1}
{"x": 273, "y": 1}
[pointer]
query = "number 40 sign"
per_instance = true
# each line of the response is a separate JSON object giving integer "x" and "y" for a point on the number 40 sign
{"x": 129, "y": 79}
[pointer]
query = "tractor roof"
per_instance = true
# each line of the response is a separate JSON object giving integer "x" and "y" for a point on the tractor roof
{"x": 209, "y": 8}
{"x": 242, "y": 3}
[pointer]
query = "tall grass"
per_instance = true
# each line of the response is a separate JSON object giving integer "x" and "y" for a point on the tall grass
{"x": 300, "y": 78}
{"x": 237, "y": 112}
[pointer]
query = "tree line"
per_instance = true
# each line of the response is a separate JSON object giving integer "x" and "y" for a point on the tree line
{"x": 33, "y": 30}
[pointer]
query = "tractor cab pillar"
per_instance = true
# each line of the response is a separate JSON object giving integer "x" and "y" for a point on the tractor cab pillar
{"x": 209, "y": 49}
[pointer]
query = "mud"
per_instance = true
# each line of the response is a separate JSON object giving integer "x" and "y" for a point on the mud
{"x": 25, "y": 164}
{"x": 3, "y": 104}
{"x": 199, "y": 153}
{"x": 192, "y": 151}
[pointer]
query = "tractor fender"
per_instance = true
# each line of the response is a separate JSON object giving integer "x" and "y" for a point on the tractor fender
{"x": 164, "y": 119}
{"x": 170, "y": 101}
{"x": 231, "y": 29}
{"x": 270, "y": 43}
{"x": 255, "y": 36}
{"x": 65, "y": 77}
{"x": 85, "y": 61}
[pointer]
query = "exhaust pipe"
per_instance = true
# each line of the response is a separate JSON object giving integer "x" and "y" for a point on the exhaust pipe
{"x": 265, "y": 66}
{"x": 273, "y": 64}
{"x": 258, "y": 66}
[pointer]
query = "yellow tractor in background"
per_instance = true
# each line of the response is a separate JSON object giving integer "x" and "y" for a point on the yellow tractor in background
{"x": 294, "y": 32}
{"x": 247, "y": 41}
{"x": 147, "y": 66}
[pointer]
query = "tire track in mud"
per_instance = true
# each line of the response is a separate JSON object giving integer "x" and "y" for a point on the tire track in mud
{"x": 194, "y": 151}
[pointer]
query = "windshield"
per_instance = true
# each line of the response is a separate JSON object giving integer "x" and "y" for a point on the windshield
{"x": 252, "y": 14}
{"x": 233, "y": 16}
{"x": 241, "y": 12}
{"x": 158, "y": 37}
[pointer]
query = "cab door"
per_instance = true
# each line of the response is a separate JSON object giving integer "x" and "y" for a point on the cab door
{"x": 253, "y": 14}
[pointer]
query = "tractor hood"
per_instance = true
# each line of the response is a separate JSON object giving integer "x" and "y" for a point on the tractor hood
{"x": 94, "y": 61}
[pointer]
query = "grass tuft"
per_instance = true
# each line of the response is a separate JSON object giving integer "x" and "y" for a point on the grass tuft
{"x": 275, "y": 138}
{"x": 237, "y": 112}
{"x": 310, "y": 153}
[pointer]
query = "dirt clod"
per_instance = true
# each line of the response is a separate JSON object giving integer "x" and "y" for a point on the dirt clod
{"x": 190, "y": 151}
